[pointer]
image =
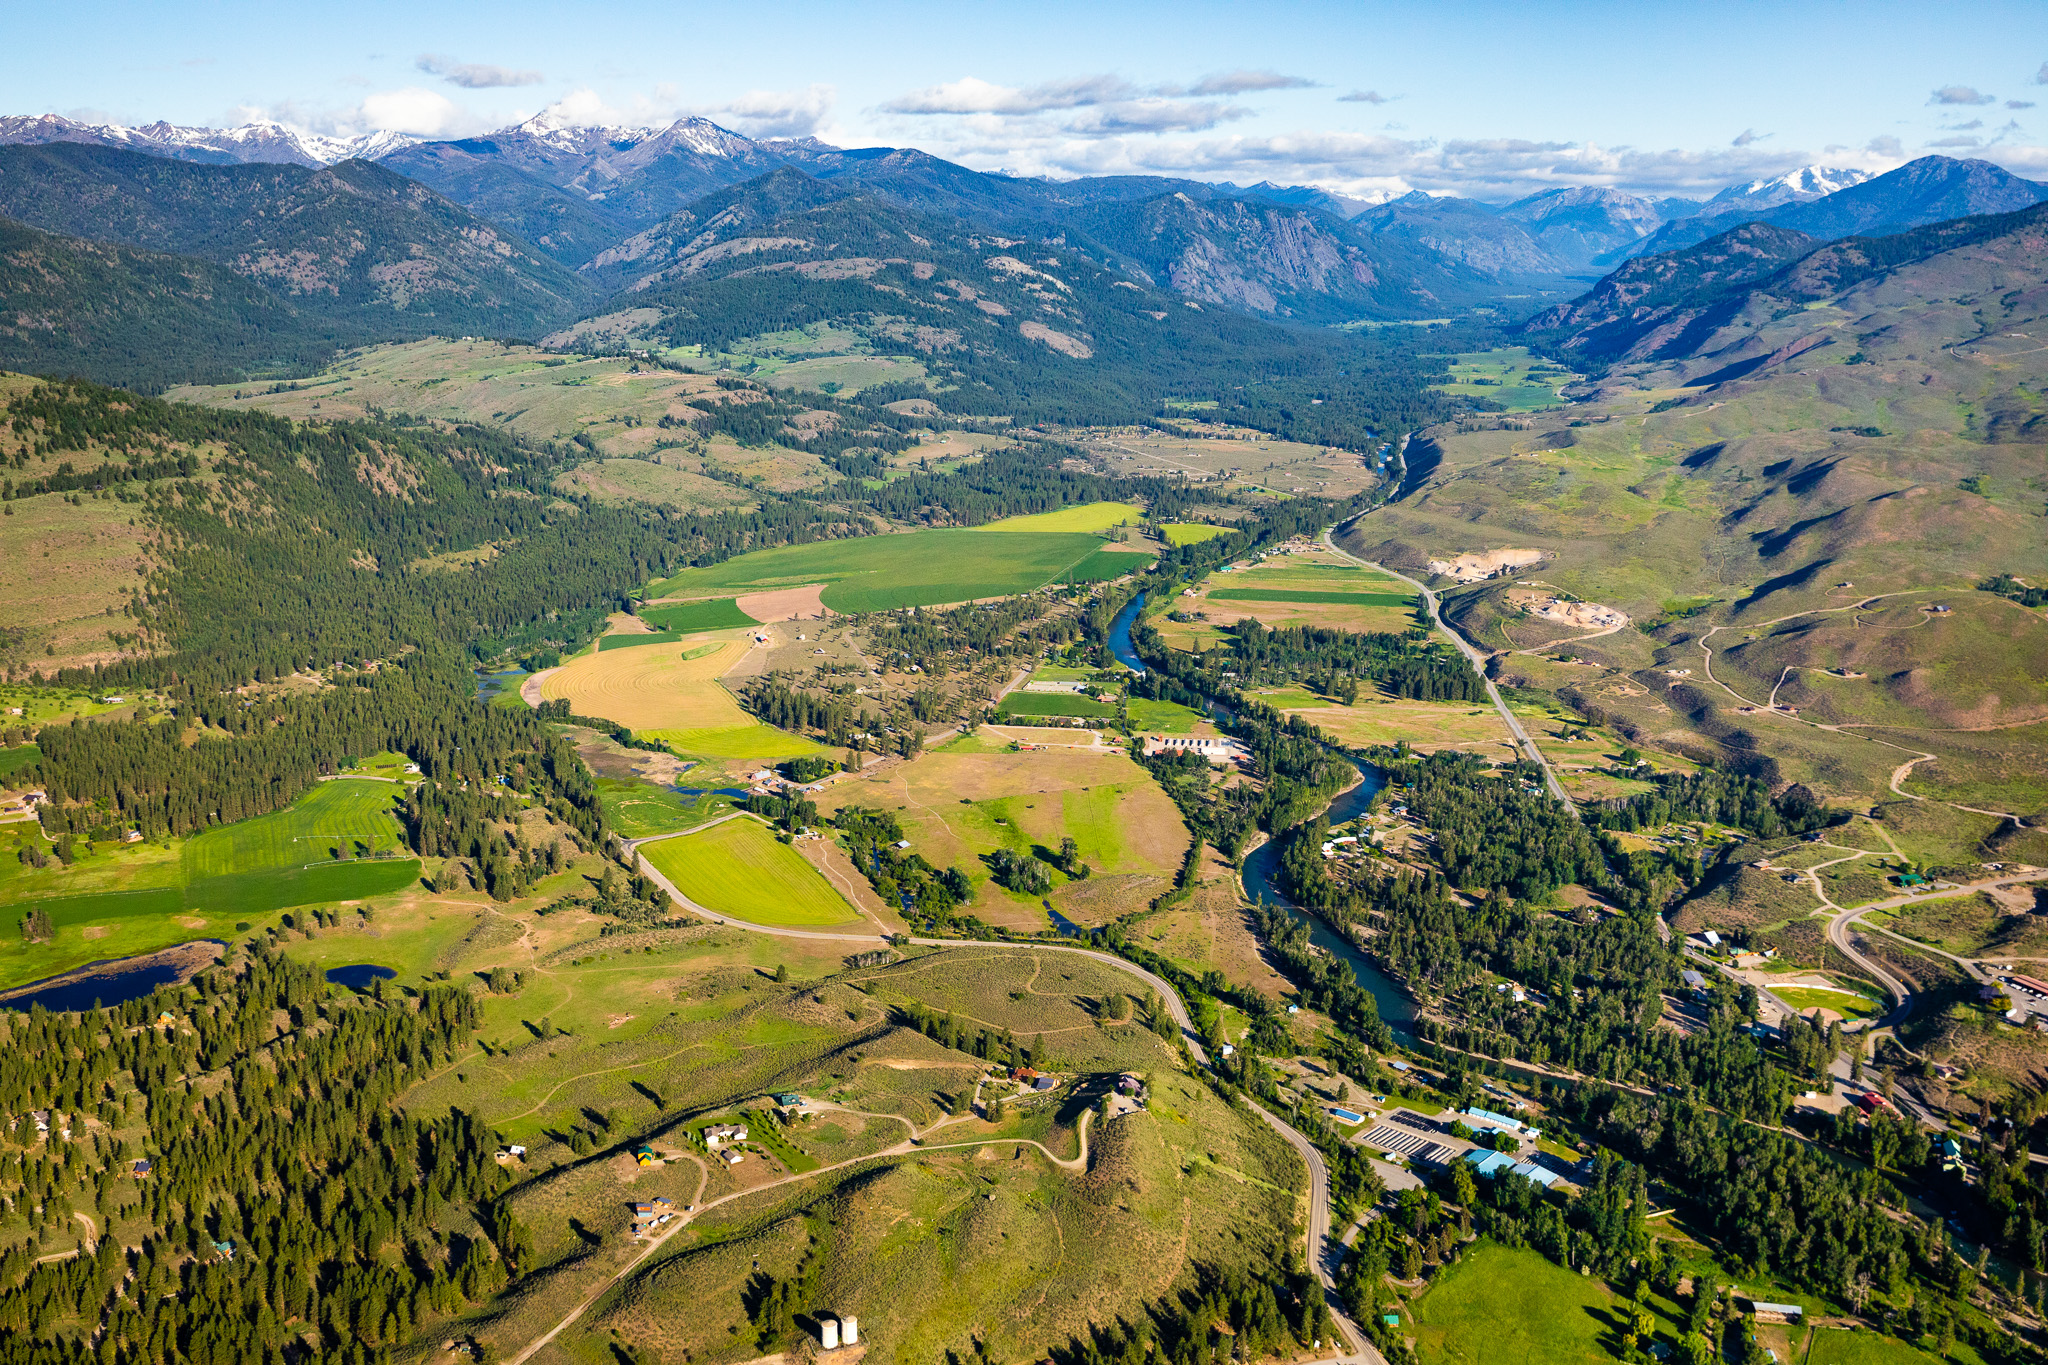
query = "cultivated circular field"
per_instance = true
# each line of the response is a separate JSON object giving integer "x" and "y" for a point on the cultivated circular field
{"x": 655, "y": 687}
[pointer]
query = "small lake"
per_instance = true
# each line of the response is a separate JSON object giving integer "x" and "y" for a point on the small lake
{"x": 737, "y": 793}
{"x": 1120, "y": 635}
{"x": 116, "y": 988}
{"x": 1261, "y": 874}
{"x": 489, "y": 685}
{"x": 358, "y": 975}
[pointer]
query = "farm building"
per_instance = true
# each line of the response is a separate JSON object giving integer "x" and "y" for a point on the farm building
{"x": 1216, "y": 750}
{"x": 1776, "y": 1312}
{"x": 788, "y": 1099}
{"x": 645, "y": 1156}
{"x": 720, "y": 1134}
{"x": 735, "y": 1157}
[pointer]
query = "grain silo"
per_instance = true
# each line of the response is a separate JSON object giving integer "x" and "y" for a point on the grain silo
{"x": 849, "y": 1331}
{"x": 828, "y": 1334}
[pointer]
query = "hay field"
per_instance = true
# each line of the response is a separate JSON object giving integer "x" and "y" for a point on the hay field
{"x": 1314, "y": 589}
{"x": 1428, "y": 726}
{"x": 1190, "y": 532}
{"x": 654, "y": 687}
{"x": 1093, "y": 517}
{"x": 879, "y": 573}
{"x": 349, "y": 813}
{"x": 739, "y": 868}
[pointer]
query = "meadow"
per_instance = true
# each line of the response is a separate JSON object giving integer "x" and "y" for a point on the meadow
{"x": 912, "y": 569}
{"x": 638, "y": 809}
{"x": 1094, "y": 518}
{"x": 1499, "y": 1304}
{"x": 1508, "y": 375}
{"x": 1053, "y": 704}
{"x": 1190, "y": 532}
{"x": 739, "y": 868}
{"x": 657, "y": 687}
{"x": 1313, "y": 589}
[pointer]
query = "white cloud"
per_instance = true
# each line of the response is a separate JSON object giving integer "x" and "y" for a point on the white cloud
{"x": 1245, "y": 82}
{"x": 474, "y": 75}
{"x": 972, "y": 95}
{"x": 1156, "y": 116}
{"x": 420, "y": 112}
{"x": 1960, "y": 94}
{"x": 1362, "y": 97}
{"x": 1748, "y": 137}
{"x": 1885, "y": 146}
{"x": 780, "y": 113}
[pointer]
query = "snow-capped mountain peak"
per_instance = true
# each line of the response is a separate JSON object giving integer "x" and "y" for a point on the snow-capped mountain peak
{"x": 262, "y": 140}
{"x": 1808, "y": 182}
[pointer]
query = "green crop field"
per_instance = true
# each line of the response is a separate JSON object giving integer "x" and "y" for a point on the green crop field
{"x": 1165, "y": 717}
{"x": 1053, "y": 704}
{"x": 1350, "y": 599}
{"x": 630, "y": 640}
{"x": 638, "y": 809}
{"x": 740, "y": 869}
{"x": 1104, "y": 565}
{"x": 737, "y": 741}
{"x": 353, "y": 815}
{"x": 19, "y": 757}
{"x": 1093, "y": 517}
{"x": 880, "y": 573}
{"x": 1190, "y": 532}
{"x": 718, "y": 613}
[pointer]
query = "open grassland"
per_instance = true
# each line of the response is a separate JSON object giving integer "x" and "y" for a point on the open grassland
{"x": 1510, "y": 376}
{"x": 1498, "y": 1304}
{"x": 522, "y": 389}
{"x": 663, "y": 479}
{"x": 70, "y": 566}
{"x": 655, "y": 688}
{"x": 42, "y": 705}
{"x": 1190, "y": 532}
{"x": 878, "y": 573}
{"x": 1832, "y": 1346}
{"x": 739, "y": 868}
{"x": 1313, "y": 589}
{"x": 1427, "y": 726}
{"x": 958, "y": 805}
{"x": 1094, "y": 518}
{"x": 1253, "y": 464}
{"x": 2005, "y": 924}
{"x": 1847, "y": 1003}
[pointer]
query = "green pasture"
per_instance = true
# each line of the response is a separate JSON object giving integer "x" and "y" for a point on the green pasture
{"x": 1498, "y": 1304}
{"x": 1106, "y": 565}
{"x": 1164, "y": 717}
{"x": 1349, "y": 599}
{"x": 1506, "y": 375}
{"x": 659, "y": 637}
{"x": 880, "y": 573}
{"x": 19, "y": 757}
{"x": 740, "y": 869}
{"x": 1190, "y": 532}
{"x": 1832, "y": 1346}
{"x": 683, "y": 618}
{"x": 1093, "y": 518}
{"x": 41, "y": 705}
{"x": 1053, "y": 704}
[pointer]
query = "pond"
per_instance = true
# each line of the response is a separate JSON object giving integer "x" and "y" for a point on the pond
{"x": 489, "y": 685}
{"x": 358, "y": 975}
{"x": 1261, "y": 874}
{"x": 113, "y": 980}
{"x": 1120, "y": 635}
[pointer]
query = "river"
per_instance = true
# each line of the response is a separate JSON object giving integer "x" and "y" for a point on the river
{"x": 1120, "y": 635}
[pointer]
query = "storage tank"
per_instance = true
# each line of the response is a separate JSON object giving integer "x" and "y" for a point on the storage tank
{"x": 849, "y": 1331}
{"x": 828, "y": 1334}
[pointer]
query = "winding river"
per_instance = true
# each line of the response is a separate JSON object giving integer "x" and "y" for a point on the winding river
{"x": 1261, "y": 867}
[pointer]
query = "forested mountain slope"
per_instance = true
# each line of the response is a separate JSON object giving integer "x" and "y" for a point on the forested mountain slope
{"x": 141, "y": 318}
{"x": 377, "y": 254}
{"x": 1038, "y": 330}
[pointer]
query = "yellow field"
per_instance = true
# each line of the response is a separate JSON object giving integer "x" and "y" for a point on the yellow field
{"x": 1427, "y": 726}
{"x": 1094, "y": 517}
{"x": 654, "y": 687}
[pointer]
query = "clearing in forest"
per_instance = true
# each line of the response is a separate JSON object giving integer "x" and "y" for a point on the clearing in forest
{"x": 740, "y": 868}
{"x": 881, "y": 573}
{"x": 1093, "y": 517}
{"x": 654, "y": 687}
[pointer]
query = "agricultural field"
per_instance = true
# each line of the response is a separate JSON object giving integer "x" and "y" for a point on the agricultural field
{"x": 1053, "y": 704}
{"x": 335, "y": 844}
{"x": 1510, "y": 376}
{"x": 1094, "y": 518}
{"x": 1190, "y": 532}
{"x": 879, "y": 573}
{"x": 690, "y": 617}
{"x": 1428, "y": 726}
{"x": 1311, "y": 588}
{"x": 672, "y": 694}
{"x": 739, "y": 868}
{"x": 962, "y": 801}
{"x": 637, "y": 809}
{"x": 43, "y": 705}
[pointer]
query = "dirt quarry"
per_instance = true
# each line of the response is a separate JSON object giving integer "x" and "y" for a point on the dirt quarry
{"x": 1550, "y": 607}
{"x": 1476, "y": 567}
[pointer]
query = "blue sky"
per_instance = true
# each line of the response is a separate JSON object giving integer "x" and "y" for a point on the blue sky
{"x": 1482, "y": 98}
